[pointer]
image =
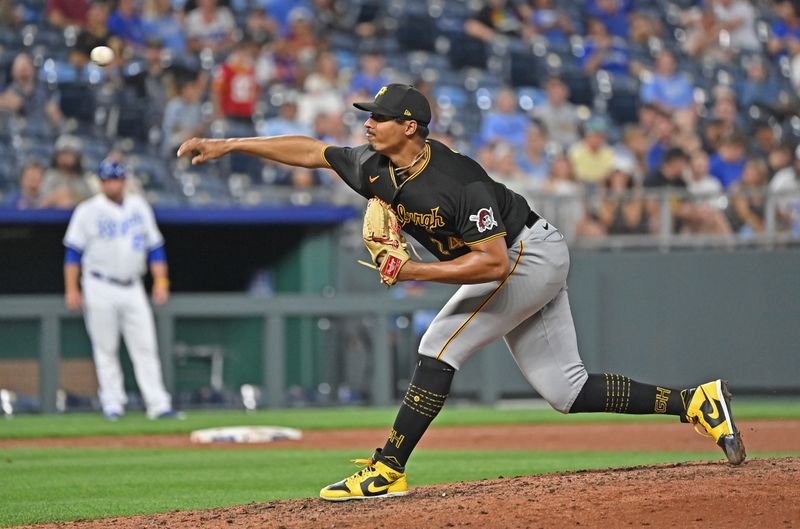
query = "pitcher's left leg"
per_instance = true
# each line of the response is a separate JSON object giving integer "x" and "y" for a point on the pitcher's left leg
{"x": 545, "y": 348}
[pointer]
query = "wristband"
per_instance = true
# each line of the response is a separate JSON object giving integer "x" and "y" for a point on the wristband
{"x": 161, "y": 282}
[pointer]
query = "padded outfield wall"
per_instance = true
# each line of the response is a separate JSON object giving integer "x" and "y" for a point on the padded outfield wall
{"x": 673, "y": 318}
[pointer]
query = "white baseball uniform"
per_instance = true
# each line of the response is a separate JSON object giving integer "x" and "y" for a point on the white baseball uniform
{"x": 114, "y": 240}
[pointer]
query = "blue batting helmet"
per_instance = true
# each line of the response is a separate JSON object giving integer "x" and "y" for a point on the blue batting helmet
{"x": 110, "y": 170}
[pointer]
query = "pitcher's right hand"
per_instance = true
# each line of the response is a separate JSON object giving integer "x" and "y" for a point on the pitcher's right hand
{"x": 203, "y": 149}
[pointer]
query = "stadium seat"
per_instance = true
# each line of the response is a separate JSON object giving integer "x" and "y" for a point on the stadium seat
{"x": 451, "y": 96}
{"x": 42, "y": 35}
{"x": 131, "y": 112}
{"x": 341, "y": 41}
{"x": 58, "y": 71}
{"x": 466, "y": 51}
{"x": 416, "y": 31}
{"x": 420, "y": 61}
{"x": 530, "y": 97}
{"x": 77, "y": 100}
{"x": 152, "y": 171}
{"x": 526, "y": 69}
{"x": 38, "y": 149}
{"x": 580, "y": 86}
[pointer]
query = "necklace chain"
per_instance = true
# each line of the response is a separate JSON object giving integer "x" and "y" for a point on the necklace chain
{"x": 399, "y": 171}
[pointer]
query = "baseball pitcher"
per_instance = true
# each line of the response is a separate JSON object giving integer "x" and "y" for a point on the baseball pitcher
{"x": 512, "y": 265}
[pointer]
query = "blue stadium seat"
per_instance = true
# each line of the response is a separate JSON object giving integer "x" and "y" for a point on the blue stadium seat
{"x": 530, "y": 97}
{"x": 620, "y": 94}
{"x": 6, "y": 60}
{"x": 152, "y": 171}
{"x": 94, "y": 149}
{"x": 526, "y": 69}
{"x": 456, "y": 9}
{"x": 341, "y": 41}
{"x": 58, "y": 71}
{"x": 7, "y": 158}
{"x": 77, "y": 100}
{"x": 50, "y": 38}
{"x": 416, "y": 31}
{"x": 623, "y": 107}
{"x": 33, "y": 148}
{"x": 9, "y": 178}
{"x": 466, "y": 51}
{"x": 347, "y": 60}
{"x": 451, "y": 96}
{"x": 421, "y": 61}
{"x": 580, "y": 86}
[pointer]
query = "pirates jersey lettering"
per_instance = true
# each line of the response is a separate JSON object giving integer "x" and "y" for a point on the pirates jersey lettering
{"x": 447, "y": 205}
{"x": 429, "y": 221}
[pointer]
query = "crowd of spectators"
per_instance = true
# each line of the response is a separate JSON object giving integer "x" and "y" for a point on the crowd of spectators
{"x": 587, "y": 106}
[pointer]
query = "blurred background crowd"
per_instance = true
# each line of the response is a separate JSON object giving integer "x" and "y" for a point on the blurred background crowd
{"x": 632, "y": 117}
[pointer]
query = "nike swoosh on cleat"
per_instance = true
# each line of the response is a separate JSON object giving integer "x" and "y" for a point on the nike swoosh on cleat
{"x": 369, "y": 487}
{"x": 373, "y": 178}
{"x": 710, "y": 410}
{"x": 715, "y": 410}
{"x": 373, "y": 489}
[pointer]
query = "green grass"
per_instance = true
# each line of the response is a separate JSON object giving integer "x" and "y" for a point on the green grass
{"x": 65, "y": 484}
{"x": 91, "y": 424}
{"x": 59, "y": 484}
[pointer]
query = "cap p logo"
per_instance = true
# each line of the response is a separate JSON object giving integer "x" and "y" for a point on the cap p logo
{"x": 381, "y": 92}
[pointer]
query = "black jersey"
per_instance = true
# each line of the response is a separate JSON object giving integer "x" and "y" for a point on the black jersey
{"x": 447, "y": 205}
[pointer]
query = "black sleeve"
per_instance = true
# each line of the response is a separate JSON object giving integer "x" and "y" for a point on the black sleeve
{"x": 348, "y": 163}
{"x": 478, "y": 218}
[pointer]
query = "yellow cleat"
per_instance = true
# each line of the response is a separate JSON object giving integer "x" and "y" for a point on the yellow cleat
{"x": 709, "y": 405}
{"x": 378, "y": 479}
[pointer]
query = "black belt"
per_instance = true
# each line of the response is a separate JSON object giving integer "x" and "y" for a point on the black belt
{"x": 112, "y": 280}
{"x": 533, "y": 217}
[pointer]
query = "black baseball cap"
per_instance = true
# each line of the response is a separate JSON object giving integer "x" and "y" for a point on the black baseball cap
{"x": 399, "y": 101}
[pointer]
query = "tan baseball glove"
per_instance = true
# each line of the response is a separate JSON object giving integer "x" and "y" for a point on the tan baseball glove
{"x": 382, "y": 237}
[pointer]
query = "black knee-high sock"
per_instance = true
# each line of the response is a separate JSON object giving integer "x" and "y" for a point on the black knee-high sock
{"x": 424, "y": 399}
{"x": 619, "y": 394}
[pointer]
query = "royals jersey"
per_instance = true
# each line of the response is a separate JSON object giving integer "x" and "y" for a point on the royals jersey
{"x": 447, "y": 205}
{"x": 114, "y": 238}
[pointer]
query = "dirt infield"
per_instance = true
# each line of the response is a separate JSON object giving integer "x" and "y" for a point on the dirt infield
{"x": 759, "y": 436}
{"x": 761, "y": 493}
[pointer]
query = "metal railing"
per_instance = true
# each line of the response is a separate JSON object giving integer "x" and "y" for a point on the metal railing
{"x": 673, "y": 218}
{"x": 50, "y": 313}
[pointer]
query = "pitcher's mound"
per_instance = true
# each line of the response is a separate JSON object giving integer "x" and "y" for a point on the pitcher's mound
{"x": 761, "y": 493}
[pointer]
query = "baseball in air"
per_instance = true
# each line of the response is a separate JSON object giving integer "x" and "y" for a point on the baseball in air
{"x": 102, "y": 55}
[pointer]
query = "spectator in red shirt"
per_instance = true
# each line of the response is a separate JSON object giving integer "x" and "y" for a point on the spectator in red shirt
{"x": 235, "y": 90}
{"x": 63, "y": 13}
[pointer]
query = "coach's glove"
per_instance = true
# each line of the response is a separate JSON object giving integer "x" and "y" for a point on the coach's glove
{"x": 386, "y": 245}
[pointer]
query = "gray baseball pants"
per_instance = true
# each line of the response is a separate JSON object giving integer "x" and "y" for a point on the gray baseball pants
{"x": 529, "y": 310}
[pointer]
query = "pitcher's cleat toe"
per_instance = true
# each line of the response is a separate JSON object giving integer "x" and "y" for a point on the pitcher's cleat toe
{"x": 709, "y": 405}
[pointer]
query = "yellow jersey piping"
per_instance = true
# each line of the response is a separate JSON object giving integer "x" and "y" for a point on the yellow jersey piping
{"x": 496, "y": 235}
{"x": 324, "y": 158}
{"x": 427, "y": 161}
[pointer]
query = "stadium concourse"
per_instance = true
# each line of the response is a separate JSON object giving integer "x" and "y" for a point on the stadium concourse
{"x": 587, "y": 106}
